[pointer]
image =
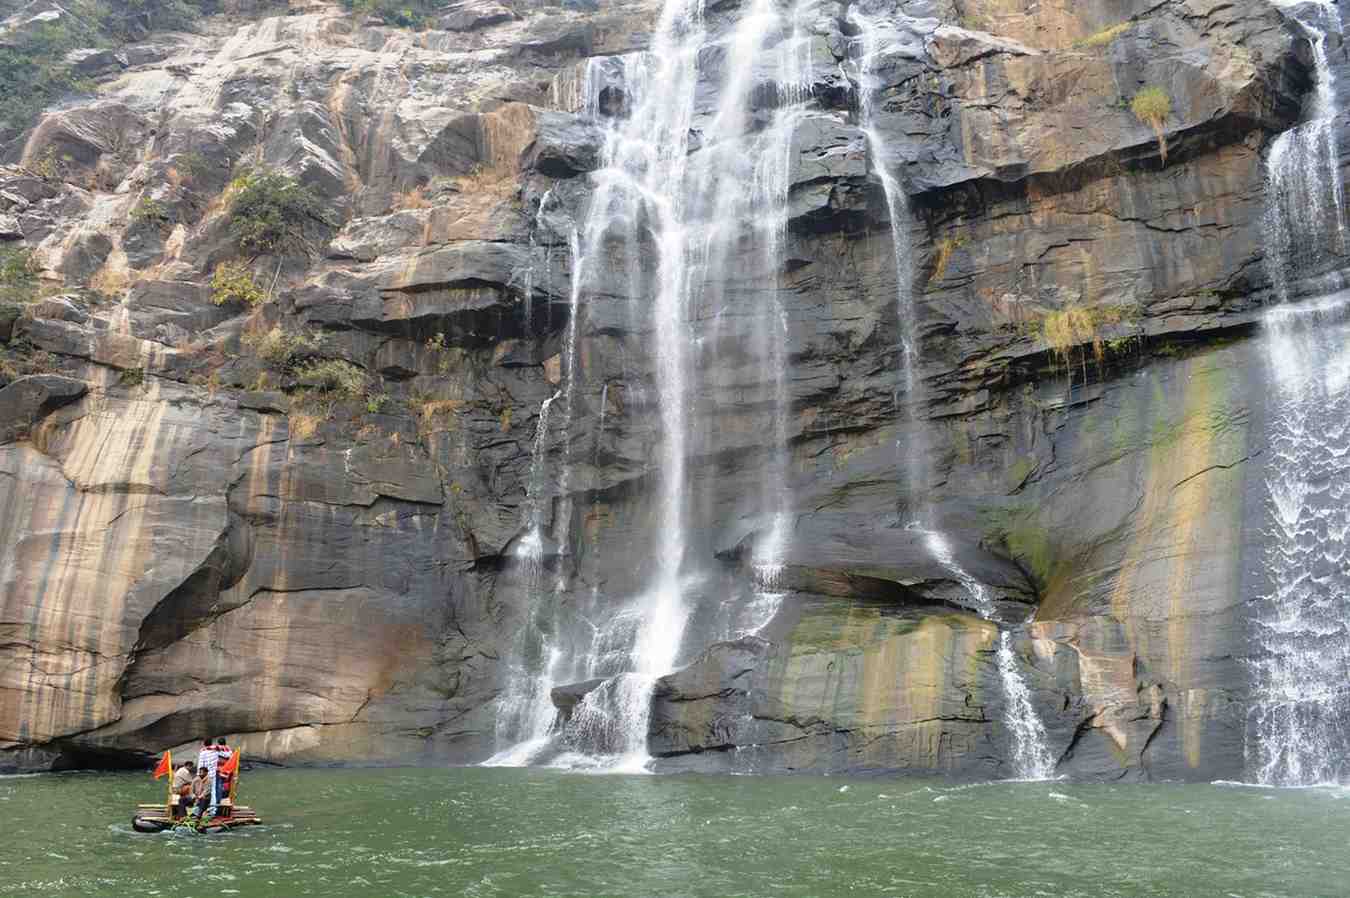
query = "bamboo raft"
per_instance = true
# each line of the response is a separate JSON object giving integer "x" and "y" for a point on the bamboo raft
{"x": 155, "y": 818}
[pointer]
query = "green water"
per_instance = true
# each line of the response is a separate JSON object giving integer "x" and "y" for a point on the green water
{"x": 521, "y": 833}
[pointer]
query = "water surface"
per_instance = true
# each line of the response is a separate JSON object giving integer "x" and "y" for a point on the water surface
{"x": 494, "y": 832}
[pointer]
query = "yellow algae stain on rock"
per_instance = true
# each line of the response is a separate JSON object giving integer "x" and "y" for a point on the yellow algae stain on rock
{"x": 903, "y": 687}
{"x": 1186, "y": 532}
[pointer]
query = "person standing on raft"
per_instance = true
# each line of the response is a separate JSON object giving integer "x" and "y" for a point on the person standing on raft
{"x": 208, "y": 758}
{"x": 221, "y": 786}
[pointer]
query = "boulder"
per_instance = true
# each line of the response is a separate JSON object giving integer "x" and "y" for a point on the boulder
{"x": 26, "y": 401}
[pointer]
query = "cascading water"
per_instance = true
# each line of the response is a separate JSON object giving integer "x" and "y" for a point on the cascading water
{"x": 671, "y": 217}
{"x": 1031, "y": 757}
{"x": 1298, "y": 728}
{"x": 871, "y": 45}
{"x": 1298, "y": 723}
{"x": 1305, "y": 214}
{"x": 525, "y": 713}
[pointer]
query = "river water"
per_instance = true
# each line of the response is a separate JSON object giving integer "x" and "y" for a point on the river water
{"x": 510, "y": 832}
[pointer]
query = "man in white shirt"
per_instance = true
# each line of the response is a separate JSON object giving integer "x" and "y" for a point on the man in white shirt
{"x": 208, "y": 757}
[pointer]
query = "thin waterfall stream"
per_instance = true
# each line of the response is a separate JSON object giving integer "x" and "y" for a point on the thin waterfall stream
{"x": 1031, "y": 756}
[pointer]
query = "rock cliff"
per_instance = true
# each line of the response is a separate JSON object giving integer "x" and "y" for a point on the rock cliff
{"x": 298, "y": 521}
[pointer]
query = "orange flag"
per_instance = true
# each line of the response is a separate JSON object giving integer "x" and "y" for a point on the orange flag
{"x": 230, "y": 766}
{"x": 164, "y": 767}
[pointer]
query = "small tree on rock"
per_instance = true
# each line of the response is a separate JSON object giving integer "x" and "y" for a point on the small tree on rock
{"x": 269, "y": 211}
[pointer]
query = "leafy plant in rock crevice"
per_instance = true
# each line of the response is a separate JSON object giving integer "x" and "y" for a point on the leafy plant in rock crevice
{"x": 150, "y": 211}
{"x": 18, "y": 276}
{"x": 277, "y": 347}
{"x": 1153, "y": 106}
{"x": 333, "y": 377}
{"x": 269, "y": 212}
{"x": 399, "y": 13}
{"x": 1076, "y": 326}
{"x": 233, "y": 282}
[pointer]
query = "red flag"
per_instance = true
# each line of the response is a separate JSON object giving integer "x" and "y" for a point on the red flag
{"x": 229, "y": 767}
{"x": 164, "y": 767}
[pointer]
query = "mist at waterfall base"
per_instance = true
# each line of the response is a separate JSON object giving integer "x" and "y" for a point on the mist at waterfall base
{"x": 492, "y": 833}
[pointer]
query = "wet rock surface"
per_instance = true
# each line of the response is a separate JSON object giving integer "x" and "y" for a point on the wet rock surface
{"x": 196, "y": 538}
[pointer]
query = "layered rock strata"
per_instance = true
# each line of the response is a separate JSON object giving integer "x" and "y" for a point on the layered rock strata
{"x": 189, "y": 542}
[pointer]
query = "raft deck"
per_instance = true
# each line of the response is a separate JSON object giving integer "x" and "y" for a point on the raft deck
{"x": 153, "y": 817}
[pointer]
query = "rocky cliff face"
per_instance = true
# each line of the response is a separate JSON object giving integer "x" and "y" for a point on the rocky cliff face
{"x": 193, "y": 536}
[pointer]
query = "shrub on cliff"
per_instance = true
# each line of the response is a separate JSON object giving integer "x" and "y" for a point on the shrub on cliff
{"x": 277, "y": 347}
{"x": 150, "y": 212}
{"x": 233, "y": 282}
{"x": 18, "y": 277}
{"x": 333, "y": 376}
{"x": 1152, "y": 106}
{"x": 269, "y": 212}
{"x": 400, "y": 13}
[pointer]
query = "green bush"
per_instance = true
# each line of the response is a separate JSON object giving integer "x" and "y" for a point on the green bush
{"x": 150, "y": 211}
{"x": 233, "y": 282}
{"x": 333, "y": 376}
{"x": 269, "y": 211}
{"x": 1152, "y": 106}
{"x": 276, "y": 346}
{"x": 399, "y": 13}
{"x": 18, "y": 276}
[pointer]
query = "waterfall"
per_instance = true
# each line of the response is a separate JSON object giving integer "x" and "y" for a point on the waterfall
{"x": 682, "y": 221}
{"x": 1031, "y": 757}
{"x": 1298, "y": 728}
{"x": 525, "y": 712}
{"x": 526, "y": 715}
{"x": 871, "y": 46}
{"x": 1298, "y": 721}
{"x": 1305, "y": 214}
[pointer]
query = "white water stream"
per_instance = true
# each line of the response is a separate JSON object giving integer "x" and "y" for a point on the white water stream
{"x": 1299, "y": 725}
{"x": 672, "y": 214}
{"x": 1305, "y": 203}
{"x": 1031, "y": 756}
